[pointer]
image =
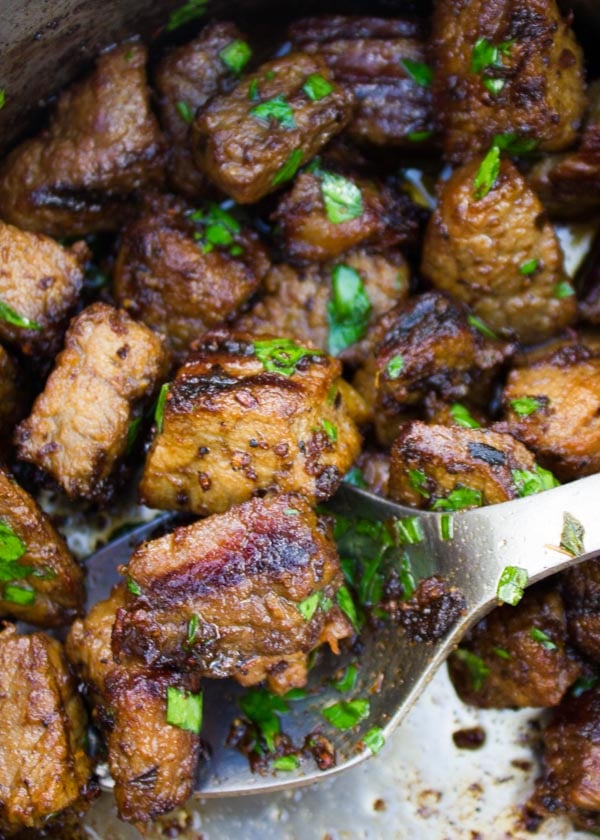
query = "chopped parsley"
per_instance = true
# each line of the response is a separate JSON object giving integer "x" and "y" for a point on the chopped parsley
{"x": 184, "y": 709}
{"x": 487, "y": 174}
{"x": 347, "y": 606}
{"x": 219, "y": 229}
{"x": 571, "y": 538}
{"x": 316, "y": 87}
{"x": 502, "y": 652}
{"x": 542, "y": 638}
{"x": 355, "y": 477}
{"x": 347, "y": 713}
{"x": 419, "y": 136}
{"x": 418, "y": 71}
{"x": 417, "y": 480}
{"x": 529, "y": 482}
{"x": 236, "y": 55}
{"x": 184, "y": 14}
{"x": 310, "y": 605}
{"x": 347, "y": 681}
{"x": 513, "y": 144}
{"x": 395, "y": 366}
{"x": 274, "y": 110}
{"x": 374, "y": 739}
{"x": 446, "y": 525}
{"x": 348, "y": 310}
{"x": 159, "y": 411}
{"x": 494, "y": 85}
{"x": 132, "y": 433}
{"x": 342, "y": 198}
{"x": 21, "y": 595}
{"x": 281, "y": 355}
{"x": 479, "y": 325}
{"x": 133, "y": 587}
{"x": 462, "y": 417}
{"x": 330, "y": 430}
{"x": 478, "y": 670}
{"x": 2, "y": 98}
{"x": 407, "y": 577}
{"x": 286, "y": 762}
{"x": 253, "y": 94}
{"x": 564, "y": 289}
{"x": 12, "y": 547}
{"x": 529, "y": 267}
{"x": 409, "y": 530}
{"x": 459, "y": 498}
{"x": 8, "y": 314}
{"x": 524, "y": 406}
{"x": 486, "y": 56}
{"x": 511, "y": 585}
{"x": 192, "y": 629}
{"x": 262, "y": 709}
{"x": 289, "y": 168}
{"x": 185, "y": 112}
{"x": 584, "y": 684}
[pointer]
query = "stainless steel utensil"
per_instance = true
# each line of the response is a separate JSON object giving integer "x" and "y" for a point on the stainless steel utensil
{"x": 393, "y": 671}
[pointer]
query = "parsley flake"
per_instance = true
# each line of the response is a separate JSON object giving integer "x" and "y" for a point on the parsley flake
{"x": 347, "y": 713}
{"x": 184, "y": 14}
{"x": 584, "y": 684}
{"x": 347, "y": 606}
{"x": 236, "y": 55}
{"x": 355, "y": 477}
{"x": 524, "y": 406}
{"x": 542, "y": 638}
{"x": 192, "y": 629}
{"x": 184, "y": 709}
{"x": 487, "y": 174}
{"x": 374, "y": 739}
{"x": 8, "y": 314}
{"x": 132, "y": 433}
{"x": 529, "y": 482}
{"x": 12, "y": 547}
{"x": 286, "y": 762}
{"x": 277, "y": 110}
{"x": 462, "y": 417}
{"x": 347, "y": 681}
{"x": 348, "y": 310}
{"x": 529, "y": 267}
{"x": 446, "y": 526}
{"x": 310, "y": 605}
{"x": 342, "y": 198}
{"x": 478, "y": 670}
{"x": 459, "y": 498}
{"x": 486, "y": 56}
{"x": 330, "y": 430}
{"x": 20, "y": 595}
{"x": 417, "y": 480}
{"x": 418, "y": 71}
{"x": 133, "y": 587}
{"x": 513, "y": 144}
{"x": 409, "y": 530}
{"x": 281, "y": 355}
{"x": 185, "y": 112}
{"x": 564, "y": 289}
{"x": 502, "y": 652}
{"x": 2, "y": 98}
{"x": 253, "y": 94}
{"x": 571, "y": 538}
{"x": 419, "y": 136}
{"x": 511, "y": 585}
{"x": 316, "y": 87}
{"x": 494, "y": 85}
{"x": 395, "y": 366}
{"x": 289, "y": 168}
{"x": 159, "y": 411}
{"x": 479, "y": 325}
{"x": 262, "y": 709}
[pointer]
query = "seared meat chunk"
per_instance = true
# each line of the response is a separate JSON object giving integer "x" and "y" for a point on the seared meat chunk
{"x": 498, "y": 253}
{"x": 43, "y": 765}
{"x": 553, "y": 406}
{"x": 41, "y": 582}
{"x": 505, "y": 67}
{"x": 245, "y": 594}
{"x": 40, "y": 283}
{"x": 450, "y": 468}
{"x": 568, "y": 185}
{"x": 12, "y": 396}
{"x": 186, "y": 79}
{"x": 241, "y": 418}
{"x": 153, "y": 762}
{"x": 368, "y": 56}
{"x": 571, "y": 781}
{"x": 183, "y": 271}
{"x": 102, "y": 143}
{"x": 326, "y": 213}
{"x": 516, "y": 656}
{"x": 77, "y": 430}
{"x": 255, "y": 138}
{"x": 314, "y": 304}
{"x": 580, "y": 586}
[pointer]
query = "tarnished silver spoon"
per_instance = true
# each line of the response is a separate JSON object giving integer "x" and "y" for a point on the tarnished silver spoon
{"x": 476, "y": 551}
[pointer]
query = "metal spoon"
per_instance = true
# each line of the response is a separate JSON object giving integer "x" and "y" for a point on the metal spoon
{"x": 393, "y": 672}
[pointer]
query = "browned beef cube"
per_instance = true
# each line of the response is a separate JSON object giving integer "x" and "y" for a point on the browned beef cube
{"x": 580, "y": 586}
{"x": 498, "y": 253}
{"x": 245, "y": 594}
{"x": 505, "y": 66}
{"x": 553, "y": 406}
{"x": 153, "y": 762}
{"x": 43, "y": 765}
{"x": 186, "y": 79}
{"x": 307, "y": 303}
{"x": 571, "y": 781}
{"x": 77, "y": 430}
{"x": 376, "y": 58}
{"x": 244, "y": 417}
{"x": 516, "y": 656}
{"x": 326, "y": 213}
{"x": 568, "y": 184}
{"x": 12, "y": 394}
{"x": 255, "y": 138}
{"x": 101, "y": 144}
{"x": 183, "y": 272}
{"x": 41, "y": 582}
{"x": 446, "y": 467}
{"x": 40, "y": 283}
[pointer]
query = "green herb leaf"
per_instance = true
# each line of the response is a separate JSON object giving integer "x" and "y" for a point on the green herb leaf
{"x": 295, "y": 694}
{"x": 347, "y": 606}
{"x": 374, "y": 739}
{"x": 281, "y": 355}
{"x": 419, "y": 136}
{"x": 571, "y": 538}
{"x": 529, "y": 267}
{"x": 478, "y": 670}
{"x": 2, "y": 98}
{"x": 159, "y": 411}
{"x": 487, "y": 174}
{"x": 253, "y": 94}
{"x": 502, "y": 652}
{"x": 446, "y": 525}
{"x": 494, "y": 86}
{"x": 330, "y": 430}
{"x": 484, "y": 54}
{"x": 515, "y": 145}
{"x": 418, "y": 480}
{"x": 309, "y": 606}
{"x": 185, "y": 111}
{"x": 8, "y": 314}
{"x": 542, "y": 638}
{"x": 347, "y": 714}
{"x": 418, "y": 71}
{"x": 236, "y": 55}
{"x": 289, "y": 168}
{"x": 524, "y": 406}
{"x": 462, "y": 417}
{"x": 355, "y": 477}
{"x": 409, "y": 530}
{"x": 459, "y": 498}
{"x": 12, "y": 546}
{"x": 529, "y": 482}
{"x": 219, "y": 228}
{"x": 20, "y": 595}
{"x": 261, "y": 708}
{"x": 395, "y": 366}
{"x": 184, "y": 14}
{"x": 511, "y": 585}
{"x": 479, "y": 325}
{"x": 192, "y": 629}
{"x": 184, "y": 709}
{"x": 342, "y": 198}
{"x": 133, "y": 587}
{"x": 286, "y": 762}
{"x": 584, "y": 684}
{"x": 132, "y": 433}
{"x": 348, "y": 310}
{"x": 348, "y": 680}
{"x": 316, "y": 87}
{"x": 564, "y": 289}
{"x": 277, "y": 110}
{"x": 407, "y": 577}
